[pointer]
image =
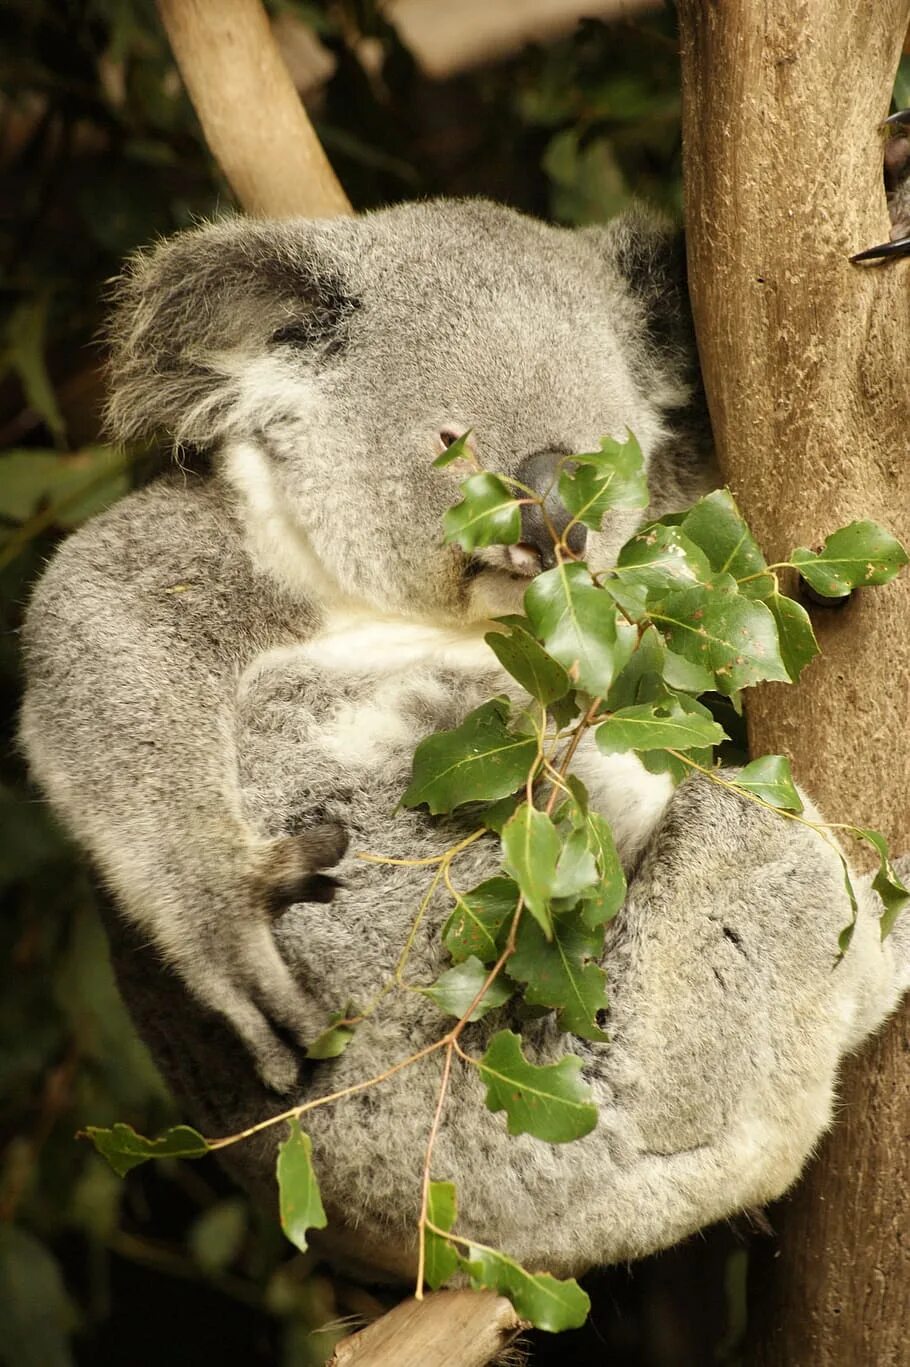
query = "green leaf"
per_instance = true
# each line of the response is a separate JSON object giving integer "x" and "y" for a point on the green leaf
{"x": 480, "y": 759}
{"x": 717, "y": 526}
{"x": 852, "y": 558}
{"x": 577, "y": 623}
{"x": 887, "y": 882}
{"x": 441, "y": 1256}
{"x": 37, "y": 1315}
{"x": 770, "y": 778}
{"x": 603, "y": 901}
{"x": 662, "y": 559}
{"x": 73, "y": 486}
{"x": 646, "y": 661}
{"x": 300, "y": 1205}
{"x": 531, "y": 848}
{"x": 495, "y": 814}
{"x": 794, "y": 632}
{"x": 529, "y": 663}
{"x": 216, "y": 1236}
{"x": 542, "y": 1299}
{"x": 576, "y": 869}
{"x": 488, "y": 514}
{"x": 336, "y": 1037}
{"x": 550, "y": 1102}
{"x": 459, "y": 450}
{"x": 665, "y": 725}
{"x": 475, "y": 927}
{"x": 455, "y": 989}
{"x": 124, "y": 1149}
{"x": 612, "y": 477}
{"x": 734, "y": 637}
{"x": 686, "y": 676}
{"x": 562, "y": 973}
{"x": 26, "y": 341}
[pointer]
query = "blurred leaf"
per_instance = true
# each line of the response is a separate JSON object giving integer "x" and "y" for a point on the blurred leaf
{"x": 300, "y": 1204}
{"x": 36, "y": 1313}
{"x": 601, "y": 903}
{"x": 887, "y": 882}
{"x": 551, "y": 1102}
{"x": 73, "y": 486}
{"x": 25, "y": 345}
{"x": 216, "y": 1236}
{"x": 332, "y": 1042}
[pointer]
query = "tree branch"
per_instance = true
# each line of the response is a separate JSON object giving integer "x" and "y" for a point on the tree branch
{"x": 446, "y": 1329}
{"x": 253, "y": 119}
{"x": 806, "y": 359}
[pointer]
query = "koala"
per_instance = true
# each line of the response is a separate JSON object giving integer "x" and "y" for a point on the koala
{"x": 227, "y": 675}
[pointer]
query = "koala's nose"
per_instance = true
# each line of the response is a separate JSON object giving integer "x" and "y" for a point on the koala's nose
{"x": 540, "y": 472}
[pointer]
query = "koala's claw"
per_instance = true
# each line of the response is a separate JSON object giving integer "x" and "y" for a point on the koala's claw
{"x": 897, "y": 182}
{"x": 884, "y": 250}
{"x": 291, "y": 869}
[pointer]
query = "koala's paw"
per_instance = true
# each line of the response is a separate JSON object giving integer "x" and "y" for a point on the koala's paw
{"x": 292, "y": 869}
{"x": 897, "y": 184}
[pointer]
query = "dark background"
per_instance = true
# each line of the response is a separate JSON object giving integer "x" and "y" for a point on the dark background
{"x": 99, "y": 153}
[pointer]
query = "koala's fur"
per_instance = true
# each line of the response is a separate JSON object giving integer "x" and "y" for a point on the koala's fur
{"x": 227, "y": 678}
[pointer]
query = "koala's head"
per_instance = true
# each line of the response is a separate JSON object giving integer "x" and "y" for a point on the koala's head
{"x": 326, "y": 364}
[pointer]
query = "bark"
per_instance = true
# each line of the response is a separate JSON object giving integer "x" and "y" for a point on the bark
{"x": 806, "y": 359}
{"x": 254, "y": 122}
{"x": 447, "y": 1329}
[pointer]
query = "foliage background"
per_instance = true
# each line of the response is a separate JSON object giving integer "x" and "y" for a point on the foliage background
{"x": 99, "y": 153}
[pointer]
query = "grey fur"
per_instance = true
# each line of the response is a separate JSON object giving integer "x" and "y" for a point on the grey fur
{"x": 208, "y": 711}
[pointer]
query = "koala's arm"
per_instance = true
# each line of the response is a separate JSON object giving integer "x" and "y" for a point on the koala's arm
{"x": 134, "y": 639}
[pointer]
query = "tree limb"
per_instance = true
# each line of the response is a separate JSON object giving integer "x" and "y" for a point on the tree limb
{"x": 446, "y": 1329}
{"x": 806, "y": 359}
{"x": 254, "y": 122}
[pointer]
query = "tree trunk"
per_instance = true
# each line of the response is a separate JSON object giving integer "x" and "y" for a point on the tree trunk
{"x": 806, "y": 360}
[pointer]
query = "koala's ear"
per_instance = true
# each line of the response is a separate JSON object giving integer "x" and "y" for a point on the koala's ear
{"x": 189, "y": 312}
{"x": 648, "y": 252}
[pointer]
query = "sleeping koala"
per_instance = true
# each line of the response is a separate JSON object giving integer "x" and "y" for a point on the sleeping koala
{"x": 227, "y": 677}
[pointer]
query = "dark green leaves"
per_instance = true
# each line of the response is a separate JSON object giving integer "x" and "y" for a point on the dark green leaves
{"x": 859, "y": 555}
{"x": 668, "y": 725}
{"x": 794, "y": 633}
{"x": 551, "y": 1102}
{"x": 546, "y": 1302}
{"x": 336, "y": 1037}
{"x": 456, "y": 989}
{"x": 459, "y": 450}
{"x": 770, "y": 779}
{"x": 124, "y": 1149}
{"x": 561, "y": 973}
{"x": 612, "y": 477}
{"x": 488, "y": 515}
{"x": 527, "y": 661}
{"x": 300, "y": 1205}
{"x": 576, "y": 621}
{"x": 732, "y": 636}
{"x": 480, "y": 759}
{"x": 477, "y": 922}
{"x": 531, "y": 847}
{"x": 662, "y": 559}
{"x": 717, "y": 526}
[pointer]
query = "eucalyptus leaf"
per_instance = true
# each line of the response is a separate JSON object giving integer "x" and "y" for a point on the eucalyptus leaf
{"x": 488, "y": 514}
{"x": 662, "y": 559}
{"x": 299, "y": 1202}
{"x": 527, "y": 661}
{"x": 124, "y": 1149}
{"x": 480, "y": 759}
{"x": 717, "y": 526}
{"x": 612, "y": 477}
{"x": 794, "y": 633}
{"x": 733, "y": 637}
{"x": 540, "y": 1298}
{"x": 667, "y": 725}
{"x": 887, "y": 882}
{"x": 602, "y": 901}
{"x": 477, "y": 925}
{"x": 332, "y": 1042}
{"x": 551, "y": 1102}
{"x": 455, "y": 989}
{"x": 531, "y": 849}
{"x": 854, "y": 557}
{"x": 576, "y": 622}
{"x": 441, "y": 1256}
{"x": 562, "y": 973}
{"x": 770, "y": 778}
{"x": 458, "y": 450}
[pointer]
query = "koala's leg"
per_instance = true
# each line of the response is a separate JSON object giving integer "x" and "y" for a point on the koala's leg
{"x": 897, "y": 184}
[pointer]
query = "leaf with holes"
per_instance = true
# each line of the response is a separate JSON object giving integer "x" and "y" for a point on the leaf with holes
{"x": 770, "y": 778}
{"x": 671, "y": 724}
{"x": 527, "y": 661}
{"x": 531, "y": 848}
{"x": 562, "y": 973}
{"x": 454, "y": 991}
{"x": 576, "y": 621}
{"x": 852, "y": 558}
{"x": 540, "y": 1298}
{"x": 662, "y": 559}
{"x": 441, "y": 1257}
{"x": 480, "y": 760}
{"x": 124, "y": 1149}
{"x": 487, "y": 516}
{"x": 299, "y": 1202}
{"x": 551, "y": 1102}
